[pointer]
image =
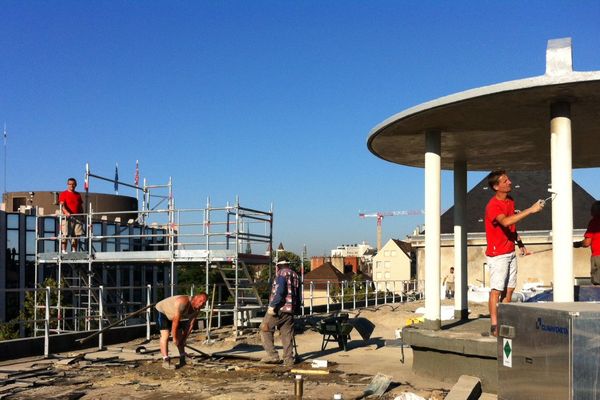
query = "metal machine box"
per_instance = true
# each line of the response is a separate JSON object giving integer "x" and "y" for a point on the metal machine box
{"x": 549, "y": 351}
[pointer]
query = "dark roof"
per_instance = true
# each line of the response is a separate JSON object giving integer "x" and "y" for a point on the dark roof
{"x": 404, "y": 246}
{"x": 528, "y": 186}
{"x": 325, "y": 272}
{"x": 350, "y": 275}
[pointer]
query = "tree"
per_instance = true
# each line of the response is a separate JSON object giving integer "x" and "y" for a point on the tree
{"x": 294, "y": 260}
{"x": 335, "y": 292}
{"x": 10, "y": 329}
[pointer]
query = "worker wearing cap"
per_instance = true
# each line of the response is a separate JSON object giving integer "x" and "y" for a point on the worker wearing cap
{"x": 172, "y": 312}
{"x": 284, "y": 302}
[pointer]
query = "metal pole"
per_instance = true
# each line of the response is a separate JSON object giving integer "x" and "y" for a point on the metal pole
{"x": 100, "y": 317}
{"x": 206, "y": 231}
{"x": 35, "y": 275}
{"x": 148, "y": 311}
{"x": 354, "y": 295}
{"x": 302, "y": 278}
{"x": 393, "y": 291}
{"x": 89, "y": 282}
{"x": 342, "y": 294}
{"x": 171, "y": 237}
{"x": 376, "y": 293}
{"x": 47, "y": 325}
{"x": 237, "y": 252}
{"x": 58, "y": 305}
{"x": 385, "y": 292}
{"x": 327, "y": 296}
{"x": 5, "y": 136}
{"x": 366, "y": 293}
{"x": 312, "y": 288}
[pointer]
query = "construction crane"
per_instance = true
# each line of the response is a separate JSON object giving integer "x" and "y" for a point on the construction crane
{"x": 381, "y": 214}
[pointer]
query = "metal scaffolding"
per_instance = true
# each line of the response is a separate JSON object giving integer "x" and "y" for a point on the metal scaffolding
{"x": 220, "y": 238}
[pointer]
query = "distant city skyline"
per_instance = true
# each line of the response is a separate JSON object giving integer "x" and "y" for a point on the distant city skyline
{"x": 265, "y": 100}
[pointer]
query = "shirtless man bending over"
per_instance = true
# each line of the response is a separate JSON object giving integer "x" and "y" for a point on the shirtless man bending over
{"x": 172, "y": 313}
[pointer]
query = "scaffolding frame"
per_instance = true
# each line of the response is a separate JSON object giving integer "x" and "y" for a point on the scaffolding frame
{"x": 211, "y": 236}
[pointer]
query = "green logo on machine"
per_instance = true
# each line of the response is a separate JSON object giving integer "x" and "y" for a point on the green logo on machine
{"x": 507, "y": 349}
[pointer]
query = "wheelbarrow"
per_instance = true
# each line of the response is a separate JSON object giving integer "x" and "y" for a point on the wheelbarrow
{"x": 335, "y": 329}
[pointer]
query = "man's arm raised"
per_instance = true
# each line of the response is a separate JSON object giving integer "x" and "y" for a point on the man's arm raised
{"x": 507, "y": 221}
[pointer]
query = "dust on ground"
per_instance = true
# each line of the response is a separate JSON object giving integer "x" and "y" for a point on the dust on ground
{"x": 227, "y": 367}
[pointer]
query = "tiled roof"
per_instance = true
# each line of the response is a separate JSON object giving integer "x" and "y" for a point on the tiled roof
{"x": 325, "y": 272}
{"x": 404, "y": 246}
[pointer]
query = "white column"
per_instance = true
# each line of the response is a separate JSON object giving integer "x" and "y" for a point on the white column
{"x": 432, "y": 229}
{"x": 562, "y": 205}
{"x": 461, "y": 308}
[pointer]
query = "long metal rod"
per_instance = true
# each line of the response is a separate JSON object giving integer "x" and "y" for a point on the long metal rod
{"x": 114, "y": 181}
{"x": 133, "y": 314}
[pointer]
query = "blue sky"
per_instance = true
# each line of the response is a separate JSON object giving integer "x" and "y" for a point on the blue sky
{"x": 271, "y": 101}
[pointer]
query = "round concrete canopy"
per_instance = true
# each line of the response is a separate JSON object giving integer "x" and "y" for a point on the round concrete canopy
{"x": 499, "y": 126}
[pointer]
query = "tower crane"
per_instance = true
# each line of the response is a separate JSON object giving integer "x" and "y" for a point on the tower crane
{"x": 381, "y": 214}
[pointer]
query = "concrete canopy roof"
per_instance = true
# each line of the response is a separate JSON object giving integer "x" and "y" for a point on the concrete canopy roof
{"x": 506, "y": 125}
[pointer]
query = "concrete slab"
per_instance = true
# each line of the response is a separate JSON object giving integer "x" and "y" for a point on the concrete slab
{"x": 467, "y": 388}
{"x": 457, "y": 349}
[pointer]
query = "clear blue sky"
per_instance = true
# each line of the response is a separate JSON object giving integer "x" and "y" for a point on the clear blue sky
{"x": 269, "y": 100}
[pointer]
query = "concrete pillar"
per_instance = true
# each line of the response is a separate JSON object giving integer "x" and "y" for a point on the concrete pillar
{"x": 432, "y": 229}
{"x": 562, "y": 205}
{"x": 461, "y": 307}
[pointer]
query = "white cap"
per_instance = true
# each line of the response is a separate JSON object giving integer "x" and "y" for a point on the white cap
{"x": 283, "y": 262}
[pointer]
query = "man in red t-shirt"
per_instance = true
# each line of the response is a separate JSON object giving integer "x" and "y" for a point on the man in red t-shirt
{"x": 71, "y": 203}
{"x": 501, "y": 234}
{"x": 592, "y": 238}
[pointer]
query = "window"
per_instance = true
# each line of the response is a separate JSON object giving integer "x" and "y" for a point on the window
{"x": 386, "y": 253}
{"x": 393, "y": 253}
{"x": 49, "y": 230}
{"x": 111, "y": 231}
{"x": 12, "y": 242}
{"x": 378, "y": 275}
{"x": 124, "y": 242}
{"x": 387, "y": 275}
{"x": 97, "y": 231}
{"x": 388, "y": 264}
{"x": 12, "y": 221}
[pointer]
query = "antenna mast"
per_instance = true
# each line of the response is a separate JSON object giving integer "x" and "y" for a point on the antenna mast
{"x": 4, "y": 156}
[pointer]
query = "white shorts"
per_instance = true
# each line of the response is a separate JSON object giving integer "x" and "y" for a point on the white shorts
{"x": 503, "y": 271}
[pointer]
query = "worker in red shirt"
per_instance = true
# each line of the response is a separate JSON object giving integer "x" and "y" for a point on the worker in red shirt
{"x": 501, "y": 234}
{"x": 592, "y": 238}
{"x": 70, "y": 203}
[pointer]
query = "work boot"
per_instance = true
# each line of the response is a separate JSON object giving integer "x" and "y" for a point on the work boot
{"x": 271, "y": 359}
{"x": 182, "y": 361}
{"x": 289, "y": 362}
{"x": 166, "y": 364}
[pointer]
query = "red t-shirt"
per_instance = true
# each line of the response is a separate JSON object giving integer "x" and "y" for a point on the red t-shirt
{"x": 593, "y": 232}
{"x": 500, "y": 240}
{"x": 72, "y": 200}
